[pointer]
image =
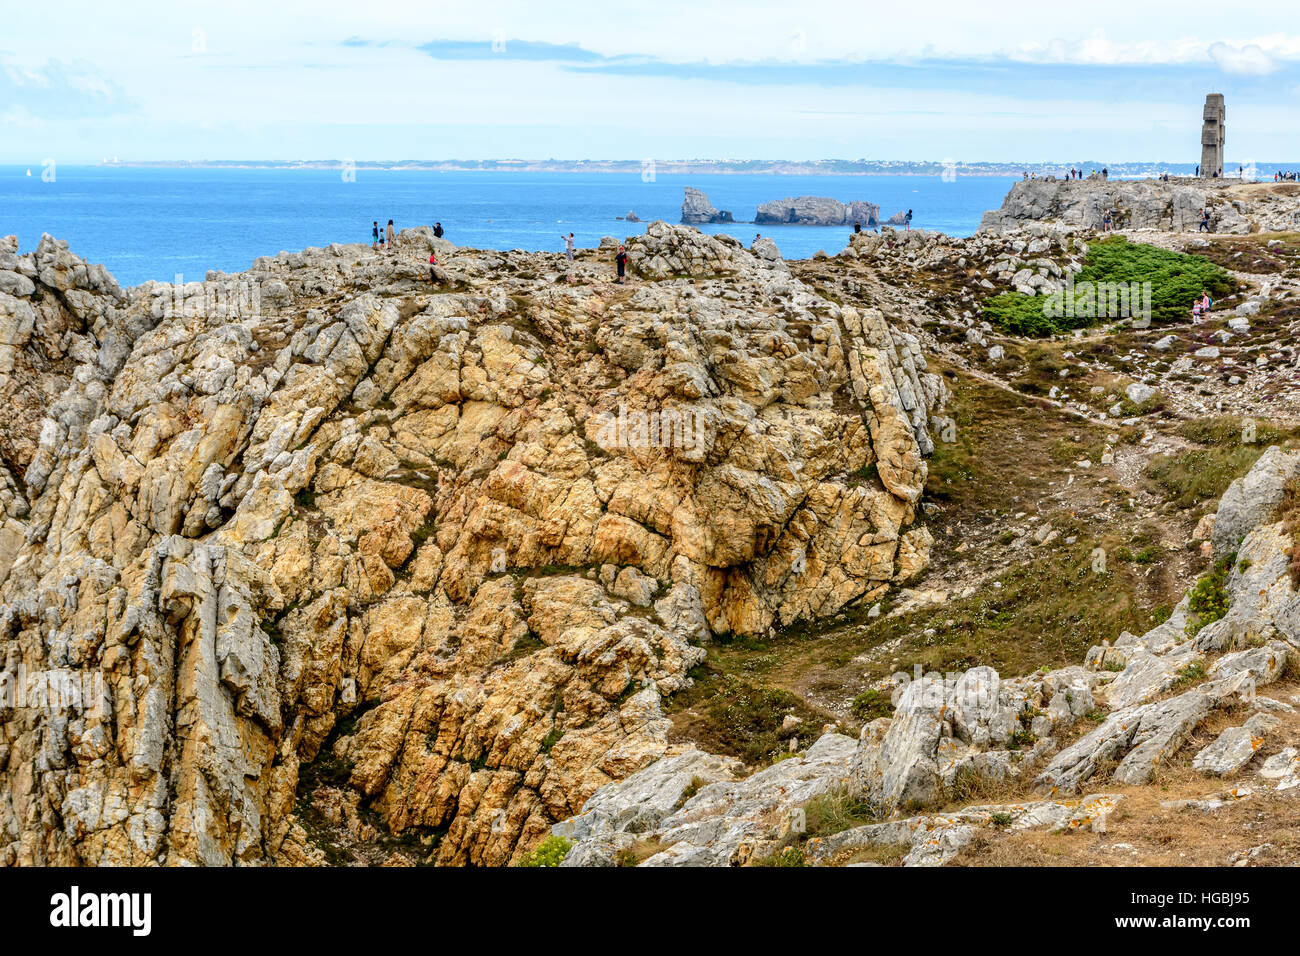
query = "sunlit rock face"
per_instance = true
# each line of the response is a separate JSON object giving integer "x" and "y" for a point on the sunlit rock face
{"x": 339, "y": 543}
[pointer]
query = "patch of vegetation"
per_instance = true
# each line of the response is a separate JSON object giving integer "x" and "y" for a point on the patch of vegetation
{"x": 1189, "y": 477}
{"x": 1176, "y": 279}
{"x": 726, "y": 713}
{"x": 871, "y": 704}
{"x": 835, "y": 811}
{"x": 552, "y": 738}
{"x": 1233, "y": 430}
{"x": 425, "y": 531}
{"x": 1193, "y": 673}
{"x": 788, "y": 856}
{"x": 867, "y": 474}
{"x": 550, "y": 852}
{"x": 1208, "y": 599}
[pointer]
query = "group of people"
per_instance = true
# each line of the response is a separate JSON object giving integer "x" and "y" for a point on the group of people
{"x": 1200, "y": 307}
{"x": 384, "y": 238}
{"x": 1072, "y": 174}
{"x": 1287, "y": 177}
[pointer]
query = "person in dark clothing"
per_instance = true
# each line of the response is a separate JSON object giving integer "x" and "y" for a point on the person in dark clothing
{"x": 437, "y": 229}
{"x": 907, "y": 221}
{"x": 374, "y": 235}
{"x": 1205, "y": 221}
{"x": 620, "y": 261}
{"x": 857, "y": 227}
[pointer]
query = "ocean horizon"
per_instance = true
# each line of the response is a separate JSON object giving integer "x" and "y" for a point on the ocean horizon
{"x": 158, "y": 223}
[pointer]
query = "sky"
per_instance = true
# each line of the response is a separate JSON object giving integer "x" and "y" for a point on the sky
{"x": 389, "y": 80}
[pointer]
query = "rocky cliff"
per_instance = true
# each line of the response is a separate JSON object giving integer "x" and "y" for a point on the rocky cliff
{"x": 1081, "y": 205}
{"x": 332, "y": 546}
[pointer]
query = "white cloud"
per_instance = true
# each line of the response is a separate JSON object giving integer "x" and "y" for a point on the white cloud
{"x": 1250, "y": 60}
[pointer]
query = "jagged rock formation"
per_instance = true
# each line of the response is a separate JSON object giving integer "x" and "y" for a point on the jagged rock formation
{"x": 949, "y": 732}
{"x": 338, "y": 547}
{"x": 1081, "y": 205}
{"x": 697, "y": 210}
{"x": 817, "y": 211}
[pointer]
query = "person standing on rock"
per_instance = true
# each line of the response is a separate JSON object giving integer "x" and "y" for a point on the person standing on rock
{"x": 857, "y": 227}
{"x": 907, "y": 221}
{"x": 568, "y": 246}
{"x": 433, "y": 263}
{"x": 620, "y": 261}
{"x": 390, "y": 234}
{"x": 374, "y": 235}
{"x": 1106, "y": 221}
{"x": 1205, "y": 221}
{"x": 437, "y": 229}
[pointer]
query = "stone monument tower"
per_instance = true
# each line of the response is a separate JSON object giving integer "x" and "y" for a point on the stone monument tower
{"x": 1212, "y": 133}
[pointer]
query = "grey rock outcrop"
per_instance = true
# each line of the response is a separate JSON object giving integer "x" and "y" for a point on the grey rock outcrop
{"x": 941, "y": 729}
{"x": 1081, "y": 206}
{"x": 697, "y": 210}
{"x": 1252, "y": 497}
{"x": 817, "y": 211}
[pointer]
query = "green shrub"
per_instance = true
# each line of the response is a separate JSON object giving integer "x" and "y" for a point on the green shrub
{"x": 1176, "y": 280}
{"x": 550, "y": 852}
{"x": 1208, "y": 600}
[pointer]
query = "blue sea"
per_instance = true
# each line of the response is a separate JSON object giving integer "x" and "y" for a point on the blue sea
{"x": 157, "y": 223}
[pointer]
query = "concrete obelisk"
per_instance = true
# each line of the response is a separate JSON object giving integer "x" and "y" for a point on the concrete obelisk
{"x": 1212, "y": 134}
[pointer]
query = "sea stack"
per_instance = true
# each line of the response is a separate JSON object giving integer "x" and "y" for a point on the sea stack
{"x": 697, "y": 209}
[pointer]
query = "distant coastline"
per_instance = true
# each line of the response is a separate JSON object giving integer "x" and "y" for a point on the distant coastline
{"x": 829, "y": 167}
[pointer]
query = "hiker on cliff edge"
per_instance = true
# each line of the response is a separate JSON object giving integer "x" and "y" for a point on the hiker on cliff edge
{"x": 374, "y": 235}
{"x": 568, "y": 246}
{"x": 437, "y": 229}
{"x": 620, "y": 261}
{"x": 907, "y": 221}
{"x": 390, "y": 234}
